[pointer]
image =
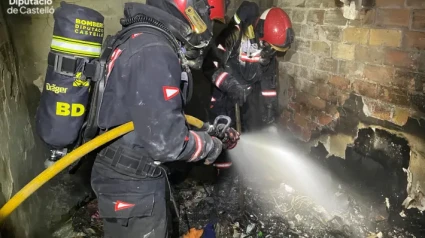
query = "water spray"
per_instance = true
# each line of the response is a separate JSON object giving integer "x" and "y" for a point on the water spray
{"x": 264, "y": 155}
{"x": 286, "y": 182}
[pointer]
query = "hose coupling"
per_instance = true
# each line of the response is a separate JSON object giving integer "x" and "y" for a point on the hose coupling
{"x": 55, "y": 155}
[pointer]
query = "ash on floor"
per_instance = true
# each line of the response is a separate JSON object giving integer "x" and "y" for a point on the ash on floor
{"x": 273, "y": 211}
{"x": 280, "y": 212}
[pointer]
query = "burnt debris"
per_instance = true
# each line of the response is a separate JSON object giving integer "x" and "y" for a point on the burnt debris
{"x": 369, "y": 187}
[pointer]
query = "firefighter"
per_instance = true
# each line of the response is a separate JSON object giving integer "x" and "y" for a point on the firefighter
{"x": 146, "y": 83}
{"x": 248, "y": 64}
{"x": 244, "y": 68}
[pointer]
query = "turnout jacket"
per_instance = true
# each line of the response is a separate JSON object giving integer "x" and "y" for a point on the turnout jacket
{"x": 143, "y": 86}
{"x": 236, "y": 60}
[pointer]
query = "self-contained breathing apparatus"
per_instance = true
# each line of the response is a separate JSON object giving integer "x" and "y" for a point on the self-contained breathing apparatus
{"x": 73, "y": 79}
{"x": 77, "y": 41}
{"x": 69, "y": 124}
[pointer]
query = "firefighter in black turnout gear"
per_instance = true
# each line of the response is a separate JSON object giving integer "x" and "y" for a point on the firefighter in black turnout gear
{"x": 245, "y": 70}
{"x": 147, "y": 83}
{"x": 249, "y": 73}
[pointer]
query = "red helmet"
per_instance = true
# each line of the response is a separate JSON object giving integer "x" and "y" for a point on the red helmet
{"x": 195, "y": 12}
{"x": 218, "y": 10}
{"x": 275, "y": 28}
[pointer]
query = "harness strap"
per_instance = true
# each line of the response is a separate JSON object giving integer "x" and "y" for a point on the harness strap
{"x": 111, "y": 43}
{"x": 68, "y": 65}
{"x": 129, "y": 162}
{"x": 90, "y": 128}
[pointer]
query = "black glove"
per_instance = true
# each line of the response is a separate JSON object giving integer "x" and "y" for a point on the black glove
{"x": 267, "y": 53}
{"x": 195, "y": 58}
{"x": 229, "y": 85}
{"x": 215, "y": 151}
{"x": 237, "y": 93}
{"x": 211, "y": 147}
{"x": 229, "y": 137}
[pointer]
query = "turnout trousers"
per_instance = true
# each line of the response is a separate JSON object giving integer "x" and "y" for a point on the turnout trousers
{"x": 130, "y": 206}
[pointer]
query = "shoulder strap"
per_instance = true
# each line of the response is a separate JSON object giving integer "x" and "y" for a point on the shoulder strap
{"x": 90, "y": 127}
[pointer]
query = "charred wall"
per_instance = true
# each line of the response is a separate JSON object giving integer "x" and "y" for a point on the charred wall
{"x": 378, "y": 55}
{"x": 356, "y": 67}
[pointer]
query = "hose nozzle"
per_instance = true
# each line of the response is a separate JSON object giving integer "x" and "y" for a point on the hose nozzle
{"x": 221, "y": 128}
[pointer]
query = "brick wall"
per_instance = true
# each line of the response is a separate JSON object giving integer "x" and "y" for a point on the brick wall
{"x": 380, "y": 56}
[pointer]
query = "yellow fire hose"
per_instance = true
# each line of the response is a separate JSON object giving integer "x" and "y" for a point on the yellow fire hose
{"x": 70, "y": 158}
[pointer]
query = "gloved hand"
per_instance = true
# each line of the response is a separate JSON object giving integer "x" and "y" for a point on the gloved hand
{"x": 210, "y": 147}
{"x": 229, "y": 85}
{"x": 214, "y": 152}
{"x": 195, "y": 57}
{"x": 237, "y": 93}
{"x": 229, "y": 138}
{"x": 267, "y": 53}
